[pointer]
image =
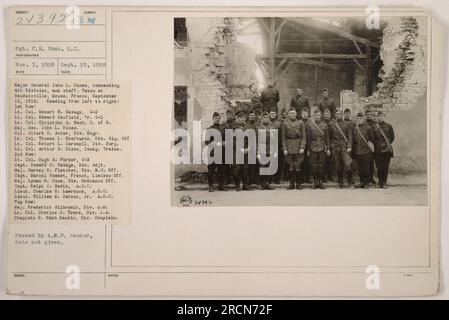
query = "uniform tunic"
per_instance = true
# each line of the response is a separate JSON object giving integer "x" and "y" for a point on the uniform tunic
{"x": 293, "y": 140}
{"x": 318, "y": 144}
{"x": 269, "y": 98}
{"x": 338, "y": 131}
{"x": 383, "y": 151}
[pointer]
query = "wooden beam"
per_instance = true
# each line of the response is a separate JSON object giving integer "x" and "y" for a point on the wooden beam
{"x": 280, "y": 64}
{"x": 289, "y": 63}
{"x": 376, "y": 58}
{"x": 334, "y": 29}
{"x": 317, "y": 63}
{"x": 357, "y": 46}
{"x": 293, "y": 55}
{"x": 368, "y": 65}
{"x": 279, "y": 29}
{"x": 278, "y": 35}
{"x": 301, "y": 30}
{"x": 307, "y": 61}
{"x": 358, "y": 63}
{"x": 271, "y": 48}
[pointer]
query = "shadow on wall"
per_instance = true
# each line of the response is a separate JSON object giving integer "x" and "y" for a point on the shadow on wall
{"x": 410, "y": 145}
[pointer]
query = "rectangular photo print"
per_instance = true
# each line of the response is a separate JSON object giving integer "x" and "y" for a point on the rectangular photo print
{"x": 300, "y": 111}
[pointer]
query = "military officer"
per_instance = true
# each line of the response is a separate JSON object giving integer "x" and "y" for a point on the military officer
{"x": 350, "y": 173}
{"x": 293, "y": 146}
{"x": 228, "y": 124}
{"x": 284, "y": 115}
{"x": 326, "y": 102}
{"x": 266, "y": 125}
{"x": 251, "y": 169}
{"x": 276, "y": 125}
{"x": 300, "y": 101}
{"x": 370, "y": 115}
{"x": 215, "y": 169}
{"x": 269, "y": 97}
{"x": 363, "y": 135}
{"x": 306, "y": 164}
{"x": 340, "y": 133}
{"x": 383, "y": 150}
{"x": 255, "y": 101}
{"x": 318, "y": 148}
{"x": 238, "y": 169}
{"x": 329, "y": 165}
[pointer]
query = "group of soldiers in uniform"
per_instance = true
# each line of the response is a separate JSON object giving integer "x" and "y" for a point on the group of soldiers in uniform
{"x": 313, "y": 145}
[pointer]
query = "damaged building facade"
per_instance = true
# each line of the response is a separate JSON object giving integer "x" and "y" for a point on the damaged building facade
{"x": 220, "y": 63}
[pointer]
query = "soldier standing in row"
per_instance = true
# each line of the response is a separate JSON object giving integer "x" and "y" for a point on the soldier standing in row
{"x": 348, "y": 119}
{"x": 371, "y": 122}
{"x": 213, "y": 168}
{"x": 284, "y": 115}
{"x": 326, "y": 102}
{"x": 318, "y": 148}
{"x": 251, "y": 169}
{"x": 329, "y": 165}
{"x": 341, "y": 136}
{"x": 230, "y": 125}
{"x": 276, "y": 125}
{"x": 383, "y": 151}
{"x": 300, "y": 101}
{"x": 306, "y": 164}
{"x": 266, "y": 124}
{"x": 239, "y": 170}
{"x": 269, "y": 97}
{"x": 293, "y": 146}
{"x": 363, "y": 136}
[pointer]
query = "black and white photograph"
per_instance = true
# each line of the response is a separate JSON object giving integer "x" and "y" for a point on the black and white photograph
{"x": 300, "y": 111}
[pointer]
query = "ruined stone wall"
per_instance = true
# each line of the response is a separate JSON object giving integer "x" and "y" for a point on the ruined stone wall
{"x": 206, "y": 45}
{"x": 403, "y": 90}
{"x": 404, "y": 54}
{"x": 222, "y": 69}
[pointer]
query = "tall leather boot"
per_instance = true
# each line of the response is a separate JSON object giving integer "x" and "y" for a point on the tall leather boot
{"x": 340, "y": 179}
{"x": 298, "y": 180}
{"x": 349, "y": 177}
{"x": 291, "y": 178}
{"x": 320, "y": 183}
{"x": 237, "y": 184}
{"x": 315, "y": 182}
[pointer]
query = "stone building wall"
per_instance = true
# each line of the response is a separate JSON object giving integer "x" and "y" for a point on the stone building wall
{"x": 404, "y": 54}
{"x": 206, "y": 45}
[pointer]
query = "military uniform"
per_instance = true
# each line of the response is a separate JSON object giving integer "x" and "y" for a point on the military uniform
{"x": 318, "y": 146}
{"x": 299, "y": 103}
{"x": 229, "y": 124}
{"x": 239, "y": 170}
{"x": 269, "y": 98}
{"x": 215, "y": 169}
{"x": 372, "y": 124}
{"x": 255, "y": 102}
{"x": 251, "y": 170}
{"x": 306, "y": 164}
{"x": 265, "y": 180}
{"x": 293, "y": 140}
{"x": 362, "y": 151}
{"x": 383, "y": 151}
{"x": 277, "y": 125}
{"x": 330, "y": 162}
{"x": 341, "y": 136}
{"x": 327, "y": 103}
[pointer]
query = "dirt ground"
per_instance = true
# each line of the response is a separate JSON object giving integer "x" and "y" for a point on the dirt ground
{"x": 403, "y": 190}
